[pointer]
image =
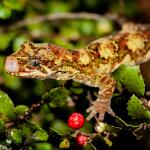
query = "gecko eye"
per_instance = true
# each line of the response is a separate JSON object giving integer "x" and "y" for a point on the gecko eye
{"x": 34, "y": 62}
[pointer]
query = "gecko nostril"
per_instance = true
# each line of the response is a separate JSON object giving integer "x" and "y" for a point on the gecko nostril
{"x": 11, "y": 65}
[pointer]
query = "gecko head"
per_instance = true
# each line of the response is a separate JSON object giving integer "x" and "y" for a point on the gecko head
{"x": 30, "y": 61}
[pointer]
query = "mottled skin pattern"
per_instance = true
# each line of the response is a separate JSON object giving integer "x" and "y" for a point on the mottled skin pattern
{"x": 91, "y": 65}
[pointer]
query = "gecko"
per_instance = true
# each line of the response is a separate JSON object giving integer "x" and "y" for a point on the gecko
{"x": 92, "y": 65}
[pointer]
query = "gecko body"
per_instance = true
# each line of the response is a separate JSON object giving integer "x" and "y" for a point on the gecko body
{"x": 91, "y": 65}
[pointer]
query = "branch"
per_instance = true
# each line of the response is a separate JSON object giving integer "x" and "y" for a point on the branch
{"x": 25, "y": 116}
{"x": 63, "y": 16}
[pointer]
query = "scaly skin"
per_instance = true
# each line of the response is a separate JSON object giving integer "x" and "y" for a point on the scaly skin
{"x": 91, "y": 65}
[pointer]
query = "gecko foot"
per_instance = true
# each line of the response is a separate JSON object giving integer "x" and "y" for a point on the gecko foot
{"x": 99, "y": 107}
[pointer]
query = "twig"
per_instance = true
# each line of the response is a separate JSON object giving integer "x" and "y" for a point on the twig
{"x": 94, "y": 148}
{"x": 141, "y": 128}
{"x": 60, "y": 16}
{"x": 25, "y": 116}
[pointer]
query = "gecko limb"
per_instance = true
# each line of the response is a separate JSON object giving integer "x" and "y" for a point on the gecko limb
{"x": 103, "y": 101}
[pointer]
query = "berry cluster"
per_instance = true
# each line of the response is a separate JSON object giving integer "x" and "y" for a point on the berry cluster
{"x": 76, "y": 121}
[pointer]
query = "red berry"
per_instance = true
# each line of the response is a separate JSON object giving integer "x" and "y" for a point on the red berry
{"x": 81, "y": 140}
{"x": 76, "y": 120}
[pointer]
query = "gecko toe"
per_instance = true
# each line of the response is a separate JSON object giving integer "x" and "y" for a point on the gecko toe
{"x": 91, "y": 115}
{"x": 89, "y": 109}
{"x": 111, "y": 112}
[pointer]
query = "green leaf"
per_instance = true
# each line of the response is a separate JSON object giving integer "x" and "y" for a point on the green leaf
{"x": 88, "y": 126}
{"x": 14, "y": 4}
{"x": 131, "y": 78}
{"x": 68, "y": 32}
{"x": 5, "y": 39}
{"x": 20, "y": 109}
{"x": 4, "y": 12}
{"x": 27, "y": 129}
{"x": 40, "y": 135}
{"x": 1, "y": 126}
{"x": 56, "y": 97}
{"x": 39, "y": 87}
{"x": 7, "y": 107}
{"x": 63, "y": 43}
{"x": 136, "y": 109}
{"x": 58, "y": 7}
{"x": 12, "y": 82}
{"x": 2, "y": 59}
{"x": 64, "y": 143}
{"x": 16, "y": 136}
{"x": 87, "y": 27}
{"x": 60, "y": 126}
{"x": 55, "y": 134}
{"x": 33, "y": 126}
{"x": 76, "y": 90}
{"x": 104, "y": 26}
{"x": 43, "y": 146}
{"x": 18, "y": 41}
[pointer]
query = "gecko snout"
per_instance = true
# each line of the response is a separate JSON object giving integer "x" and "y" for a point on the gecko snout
{"x": 11, "y": 65}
